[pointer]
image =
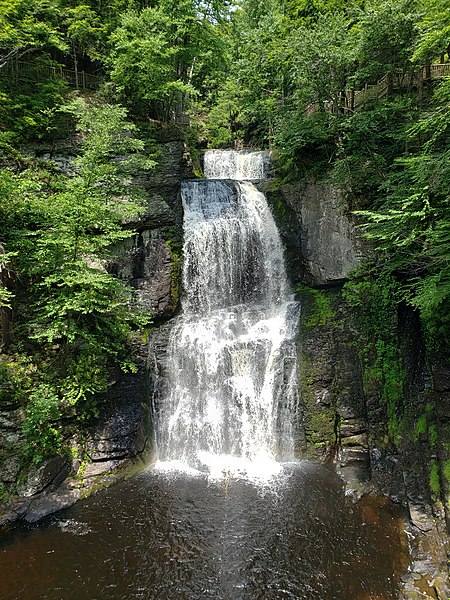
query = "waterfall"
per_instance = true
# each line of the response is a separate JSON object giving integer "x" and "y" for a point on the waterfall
{"x": 230, "y": 164}
{"x": 232, "y": 373}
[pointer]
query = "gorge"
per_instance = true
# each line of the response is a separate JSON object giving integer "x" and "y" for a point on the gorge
{"x": 230, "y": 510}
{"x": 225, "y": 299}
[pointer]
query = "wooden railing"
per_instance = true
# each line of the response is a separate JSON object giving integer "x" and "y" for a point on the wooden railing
{"x": 355, "y": 99}
{"x": 37, "y": 72}
{"x": 181, "y": 118}
{"x": 439, "y": 71}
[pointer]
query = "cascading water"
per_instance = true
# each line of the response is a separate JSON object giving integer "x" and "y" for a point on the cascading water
{"x": 232, "y": 394}
{"x": 229, "y": 164}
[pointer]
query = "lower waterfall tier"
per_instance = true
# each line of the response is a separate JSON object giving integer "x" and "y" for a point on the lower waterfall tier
{"x": 231, "y": 401}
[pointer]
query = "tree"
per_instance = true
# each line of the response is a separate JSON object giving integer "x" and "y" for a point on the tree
{"x": 162, "y": 55}
{"x": 387, "y": 35}
{"x": 434, "y": 32}
{"x": 26, "y": 26}
{"x": 325, "y": 59}
{"x": 76, "y": 313}
{"x": 411, "y": 229}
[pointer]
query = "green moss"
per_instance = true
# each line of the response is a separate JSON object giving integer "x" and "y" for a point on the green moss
{"x": 374, "y": 300}
{"x": 321, "y": 310}
{"x": 175, "y": 250}
{"x": 435, "y": 482}
{"x": 319, "y": 420}
{"x": 425, "y": 426}
{"x": 421, "y": 427}
{"x": 433, "y": 435}
{"x": 446, "y": 470}
{"x": 320, "y": 426}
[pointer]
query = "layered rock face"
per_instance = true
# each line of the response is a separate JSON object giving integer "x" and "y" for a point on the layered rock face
{"x": 375, "y": 445}
{"x": 330, "y": 245}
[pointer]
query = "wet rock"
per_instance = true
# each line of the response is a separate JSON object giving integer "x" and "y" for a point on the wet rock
{"x": 9, "y": 469}
{"x": 330, "y": 245}
{"x": 154, "y": 285}
{"x": 124, "y": 429}
{"x": 355, "y": 440}
{"x": 145, "y": 262}
{"x": 350, "y": 456}
{"x": 421, "y": 517}
{"x": 122, "y": 435}
{"x": 50, "y": 503}
{"x": 172, "y": 166}
{"x": 100, "y": 468}
{"x": 157, "y": 363}
{"x": 10, "y": 427}
{"x": 351, "y": 427}
{"x": 322, "y": 397}
{"x": 51, "y": 473}
{"x": 158, "y": 213}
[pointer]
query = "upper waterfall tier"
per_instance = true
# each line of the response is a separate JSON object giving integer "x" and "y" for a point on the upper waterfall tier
{"x": 231, "y": 164}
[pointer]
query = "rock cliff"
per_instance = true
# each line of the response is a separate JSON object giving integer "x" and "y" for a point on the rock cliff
{"x": 149, "y": 262}
{"x": 374, "y": 435}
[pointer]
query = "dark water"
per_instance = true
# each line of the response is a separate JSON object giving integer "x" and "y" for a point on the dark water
{"x": 163, "y": 537}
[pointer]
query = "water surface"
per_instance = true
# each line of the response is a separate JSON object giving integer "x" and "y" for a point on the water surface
{"x": 165, "y": 536}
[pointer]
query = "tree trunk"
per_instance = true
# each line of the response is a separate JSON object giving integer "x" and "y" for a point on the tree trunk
{"x": 75, "y": 63}
{"x": 6, "y": 314}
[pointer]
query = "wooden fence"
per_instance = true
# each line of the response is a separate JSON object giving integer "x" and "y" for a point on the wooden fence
{"x": 353, "y": 100}
{"x": 37, "y": 72}
{"x": 181, "y": 118}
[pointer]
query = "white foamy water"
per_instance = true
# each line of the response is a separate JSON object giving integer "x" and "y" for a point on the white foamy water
{"x": 231, "y": 401}
{"x": 233, "y": 164}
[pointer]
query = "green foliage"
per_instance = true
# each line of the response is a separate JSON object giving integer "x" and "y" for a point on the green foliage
{"x": 161, "y": 56}
{"x": 224, "y": 119}
{"x": 59, "y": 231}
{"x": 28, "y": 25}
{"x": 305, "y": 144}
{"x": 369, "y": 142}
{"x": 387, "y": 34}
{"x": 30, "y": 112}
{"x": 42, "y": 427}
{"x": 410, "y": 229}
{"x": 325, "y": 56}
{"x": 434, "y": 31}
{"x": 17, "y": 377}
